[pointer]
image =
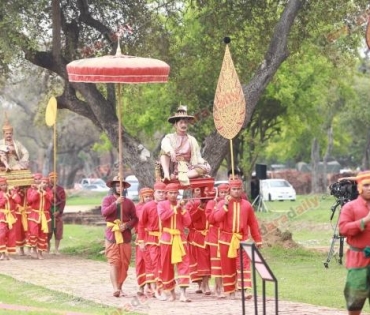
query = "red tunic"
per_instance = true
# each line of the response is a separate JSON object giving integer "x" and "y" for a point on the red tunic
{"x": 39, "y": 202}
{"x": 21, "y": 226}
{"x": 8, "y": 202}
{"x": 174, "y": 220}
{"x": 239, "y": 220}
{"x": 350, "y": 227}
{"x": 149, "y": 231}
{"x": 126, "y": 213}
{"x": 8, "y": 206}
{"x": 235, "y": 223}
{"x": 149, "y": 227}
{"x": 140, "y": 255}
{"x": 212, "y": 238}
{"x": 200, "y": 248}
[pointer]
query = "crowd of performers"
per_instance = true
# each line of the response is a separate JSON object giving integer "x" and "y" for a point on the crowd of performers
{"x": 31, "y": 216}
{"x": 199, "y": 238}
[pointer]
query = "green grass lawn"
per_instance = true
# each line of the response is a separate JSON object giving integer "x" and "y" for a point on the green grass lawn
{"x": 308, "y": 219}
{"x": 85, "y": 198}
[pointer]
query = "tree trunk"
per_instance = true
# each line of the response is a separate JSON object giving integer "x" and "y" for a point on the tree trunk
{"x": 315, "y": 159}
{"x": 329, "y": 148}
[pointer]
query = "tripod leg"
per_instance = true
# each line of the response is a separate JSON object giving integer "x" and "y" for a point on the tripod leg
{"x": 341, "y": 245}
{"x": 331, "y": 252}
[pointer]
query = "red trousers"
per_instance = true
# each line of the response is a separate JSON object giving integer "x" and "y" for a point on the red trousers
{"x": 215, "y": 261}
{"x": 141, "y": 258}
{"x": 20, "y": 233}
{"x": 202, "y": 259}
{"x": 119, "y": 255}
{"x": 193, "y": 264}
{"x": 56, "y": 228}
{"x": 167, "y": 276}
{"x": 7, "y": 239}
{"x": 153, "y": 264}
{"x": 231, "y": 267}
{"x": 37, "y": 238}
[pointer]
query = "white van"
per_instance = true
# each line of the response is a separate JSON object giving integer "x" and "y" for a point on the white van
{"x": 133, "y": 191}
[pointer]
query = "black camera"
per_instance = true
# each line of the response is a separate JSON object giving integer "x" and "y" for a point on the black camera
{"x": 345, "y": 190}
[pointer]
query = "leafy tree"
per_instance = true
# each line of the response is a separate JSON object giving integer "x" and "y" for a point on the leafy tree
{"x": 182, "y": 33}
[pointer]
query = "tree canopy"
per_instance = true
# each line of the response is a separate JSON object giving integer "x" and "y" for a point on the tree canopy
{"x": 288, "y": 55}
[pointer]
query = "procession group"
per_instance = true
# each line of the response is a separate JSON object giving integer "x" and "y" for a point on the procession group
{"x": 31, "y": 216}
{"x": 199, "y": 238}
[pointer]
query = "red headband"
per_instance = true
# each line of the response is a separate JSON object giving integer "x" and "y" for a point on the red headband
{"x": 159, "y": 186}
{"x": 146, "y": 191}
{"x": 172, "y": 187}
{"x": 235, "y": 183}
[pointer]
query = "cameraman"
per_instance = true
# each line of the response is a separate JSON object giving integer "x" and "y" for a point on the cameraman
{"x": 354, "y": 224}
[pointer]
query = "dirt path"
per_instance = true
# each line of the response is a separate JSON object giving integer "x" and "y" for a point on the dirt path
{"x": 90, "y": 280}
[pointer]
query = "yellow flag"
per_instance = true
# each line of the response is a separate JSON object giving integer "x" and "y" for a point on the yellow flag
{"x": 229, "y": 106}
{"x": 51, "y": 112}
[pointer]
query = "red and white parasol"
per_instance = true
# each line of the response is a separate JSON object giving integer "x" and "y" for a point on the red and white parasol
{"x": 119, "y": 69}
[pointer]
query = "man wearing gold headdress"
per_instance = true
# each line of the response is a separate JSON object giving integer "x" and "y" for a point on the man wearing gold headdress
{"x": 17, "y": 154}
{"x": 180, "y": 153}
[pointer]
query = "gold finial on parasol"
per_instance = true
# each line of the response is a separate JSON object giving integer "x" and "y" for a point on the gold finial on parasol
{"x": 229, "y": 106}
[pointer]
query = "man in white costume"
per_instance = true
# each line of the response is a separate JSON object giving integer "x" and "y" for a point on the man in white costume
{"x": 180, "y": 153}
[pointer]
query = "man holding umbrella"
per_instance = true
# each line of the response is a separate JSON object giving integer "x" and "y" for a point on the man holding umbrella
{"x": 120, "y": 215}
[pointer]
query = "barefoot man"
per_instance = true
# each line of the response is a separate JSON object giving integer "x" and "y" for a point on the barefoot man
{"x": 120, "y": 215}
{"x": 9, "y": 199}
{"x": 174, "y": 218}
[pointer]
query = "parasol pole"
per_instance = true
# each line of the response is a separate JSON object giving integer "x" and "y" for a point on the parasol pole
{"x": 232, "y": 158}
{"x": 120, "y": 139}
{"x": 120, "y": 166}
{"x": 55, "y": 161}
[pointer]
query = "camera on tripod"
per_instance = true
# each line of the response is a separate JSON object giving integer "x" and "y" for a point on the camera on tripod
{"x": 344, "y": 190}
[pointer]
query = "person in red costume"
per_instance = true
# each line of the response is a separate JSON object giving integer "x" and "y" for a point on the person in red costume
{"x": 39, "y": 198}
{"x": 21, "y": 226}
{"x": 120, "y": 215}
{"x": 9, "y": 199}
{"x": 200, "y": 266}
{"x": 354, "y": 224}
{"x": 148, "y": 239}
{"x": 213, "y": 236}
{"x": 141, "y": 256}
{"x": 236, "y": 217}
{"x": 58, "y": 204}
{"x": 196, "y": 194}
{"x": 174, "y": 219}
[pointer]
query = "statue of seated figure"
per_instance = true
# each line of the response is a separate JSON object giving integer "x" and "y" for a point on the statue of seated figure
{"x": 13, "y": 154}
{"x": 180, "y": 153}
